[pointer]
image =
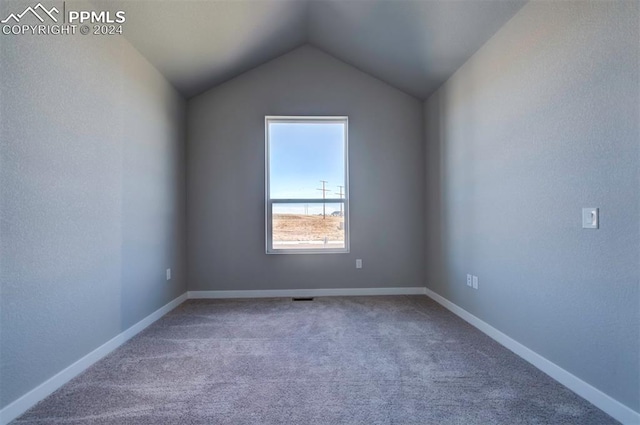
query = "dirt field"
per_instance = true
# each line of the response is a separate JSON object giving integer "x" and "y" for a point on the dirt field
{"x": 298, "y": 227}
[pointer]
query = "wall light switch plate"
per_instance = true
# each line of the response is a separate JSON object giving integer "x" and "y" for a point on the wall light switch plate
{"x": 358, "y": 263}
{"x": 168, "y": 274}
{"x": 590, "y": 218}
{"x": 469, "y": 280}
{"x": 475, "y": 282}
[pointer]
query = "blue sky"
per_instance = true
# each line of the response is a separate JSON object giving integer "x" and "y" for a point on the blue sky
{"x": 302, "y": 154}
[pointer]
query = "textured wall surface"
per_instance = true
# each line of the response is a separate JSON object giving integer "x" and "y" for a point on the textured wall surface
{"x": 540, "y": 122}
{"x": 92, "y": 200}
{"x": 225, "y": 183}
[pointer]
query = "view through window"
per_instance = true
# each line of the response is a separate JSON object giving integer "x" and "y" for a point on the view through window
{"x": 307, "y": 207}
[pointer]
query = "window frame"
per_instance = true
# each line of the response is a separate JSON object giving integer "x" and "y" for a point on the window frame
{"x": 270, "y": 202}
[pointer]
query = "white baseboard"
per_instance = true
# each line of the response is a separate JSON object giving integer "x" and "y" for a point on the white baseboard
{"x": 24, "y": 403}
{"x": 599, "y": 399}
{"x": 286, "y": 293}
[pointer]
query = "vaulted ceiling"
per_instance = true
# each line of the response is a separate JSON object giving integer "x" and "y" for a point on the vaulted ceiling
{"x": 414, "y": 45}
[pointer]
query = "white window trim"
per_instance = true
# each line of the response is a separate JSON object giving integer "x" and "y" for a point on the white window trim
{"x": 269, "y": 202}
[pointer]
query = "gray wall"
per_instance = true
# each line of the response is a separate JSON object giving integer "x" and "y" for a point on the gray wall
{"x": 225, "y": 183}
{"x": 92, "y": 199}
{"x": 540, "y": 122}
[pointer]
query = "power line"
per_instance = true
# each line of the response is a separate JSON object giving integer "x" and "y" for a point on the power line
{"x": 324, "y": 193}
{"x": 341, "y": 203}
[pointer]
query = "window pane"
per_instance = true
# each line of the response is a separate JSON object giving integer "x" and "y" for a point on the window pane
{"x": 304, "y": 154}
{"x": 308, "y": 226}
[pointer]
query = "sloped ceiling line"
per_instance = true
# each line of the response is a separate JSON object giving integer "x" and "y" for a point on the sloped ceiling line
{"x": 413, "y": 45}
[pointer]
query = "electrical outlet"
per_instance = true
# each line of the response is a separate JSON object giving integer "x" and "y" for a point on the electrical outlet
{"x": 475, "y": 282}
{"x": 168, "y": 274}
{"x": 468, "y": 280}
{"x": 358, "y": 263}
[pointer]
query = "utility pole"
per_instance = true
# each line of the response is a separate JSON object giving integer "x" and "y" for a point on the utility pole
{"x": 341, "y": 203}
{"x": 324, "y": 196}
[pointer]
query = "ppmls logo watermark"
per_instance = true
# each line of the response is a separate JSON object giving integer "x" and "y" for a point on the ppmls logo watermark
{"x": 42, "y": 20}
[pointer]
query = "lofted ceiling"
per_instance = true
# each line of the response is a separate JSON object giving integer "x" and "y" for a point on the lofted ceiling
{"x": 414, "y": 45}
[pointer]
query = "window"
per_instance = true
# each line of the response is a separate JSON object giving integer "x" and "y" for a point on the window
{"x": 307, "y": 188}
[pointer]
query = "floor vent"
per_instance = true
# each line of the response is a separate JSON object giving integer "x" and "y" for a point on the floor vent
{"x": 302, "y": 299}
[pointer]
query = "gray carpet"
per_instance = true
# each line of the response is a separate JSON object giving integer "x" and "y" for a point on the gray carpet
{"x": 352, "y": 360}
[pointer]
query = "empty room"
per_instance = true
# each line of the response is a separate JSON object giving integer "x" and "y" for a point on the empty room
{"x": 320, "y": 212}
